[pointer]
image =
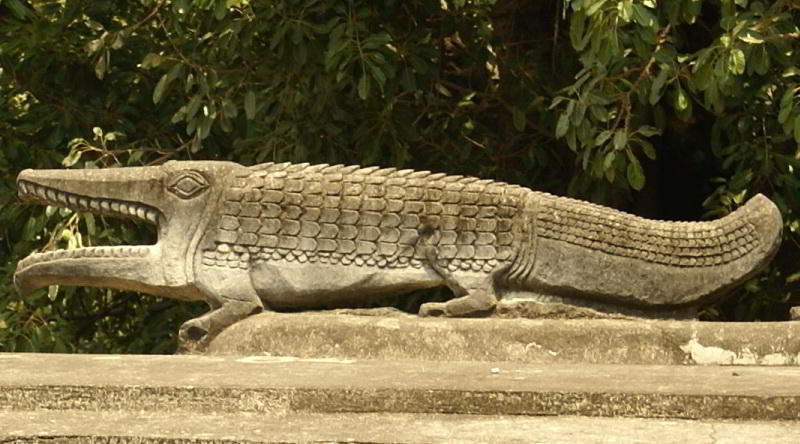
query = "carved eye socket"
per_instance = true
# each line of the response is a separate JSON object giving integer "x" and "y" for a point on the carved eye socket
{"x": 188, "y": 184}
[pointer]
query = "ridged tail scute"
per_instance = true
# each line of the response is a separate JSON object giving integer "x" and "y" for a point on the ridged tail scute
{"x": 607, "y": 255}
{"x": 755, "y": 227}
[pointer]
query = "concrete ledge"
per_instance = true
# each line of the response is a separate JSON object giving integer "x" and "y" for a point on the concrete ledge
{"x": 156, "y": 428}
{"x": 387, "y": 335}
{"x": 282, "y": 385}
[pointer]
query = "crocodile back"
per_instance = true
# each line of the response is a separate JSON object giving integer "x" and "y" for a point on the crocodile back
{"x": 364, "y": 216}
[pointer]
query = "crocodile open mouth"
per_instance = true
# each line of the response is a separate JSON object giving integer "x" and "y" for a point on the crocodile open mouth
{"x": 109, "y": 207}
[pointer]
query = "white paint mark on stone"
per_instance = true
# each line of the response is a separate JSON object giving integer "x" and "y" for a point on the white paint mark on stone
{"x": 712, "y": 355}
{"x": 703, "y": 355}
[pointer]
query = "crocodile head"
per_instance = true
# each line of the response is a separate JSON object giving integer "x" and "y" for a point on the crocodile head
{"x": 178, "y": 197}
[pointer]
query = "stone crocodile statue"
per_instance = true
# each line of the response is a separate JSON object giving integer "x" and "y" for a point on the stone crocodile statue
{"x": 299, "y": 236}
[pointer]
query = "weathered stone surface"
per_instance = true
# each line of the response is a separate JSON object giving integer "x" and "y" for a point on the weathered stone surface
{"x": 391, "y": 335}
{"x": 178, "y": 428}
{"x": 300, "y": 236}
{"x": 282, "y": 385}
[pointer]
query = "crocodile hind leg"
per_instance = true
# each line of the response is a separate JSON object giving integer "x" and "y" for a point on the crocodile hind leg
{"x": 475, "y": 296}
{"x": 232, "y": 298}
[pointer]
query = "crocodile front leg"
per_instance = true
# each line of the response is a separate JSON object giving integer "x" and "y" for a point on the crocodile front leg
{"x": 232, "y": 298}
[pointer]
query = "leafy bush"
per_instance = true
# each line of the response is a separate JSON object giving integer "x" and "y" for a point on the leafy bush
{"x": 674, "y": 109}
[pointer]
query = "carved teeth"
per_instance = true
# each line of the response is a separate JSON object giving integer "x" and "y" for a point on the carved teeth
{"x": 84, "y": 203}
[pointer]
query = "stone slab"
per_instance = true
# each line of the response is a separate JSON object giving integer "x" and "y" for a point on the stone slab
{"x": 391, "y": 335}
{"x": 279, "y": 385}
{"x": 150, "y": 427}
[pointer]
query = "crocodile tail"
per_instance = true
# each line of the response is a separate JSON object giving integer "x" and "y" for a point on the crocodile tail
{"x": 587, "y": 249}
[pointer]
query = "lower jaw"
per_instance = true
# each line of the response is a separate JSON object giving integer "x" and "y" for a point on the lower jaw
{"x": 123, "y": 251}
{"x": 134, "y": 268}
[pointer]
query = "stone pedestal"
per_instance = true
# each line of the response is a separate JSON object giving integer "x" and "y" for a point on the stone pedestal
{"x": 391, "y": 335}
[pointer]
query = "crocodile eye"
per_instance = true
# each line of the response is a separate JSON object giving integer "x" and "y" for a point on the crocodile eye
{"x": 188, "y": 184}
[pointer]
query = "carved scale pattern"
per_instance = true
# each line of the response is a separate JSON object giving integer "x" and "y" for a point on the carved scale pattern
{"x": 372, "y": 216}
{"x": 364, "y": 216}
{"x": 683, "y": 244}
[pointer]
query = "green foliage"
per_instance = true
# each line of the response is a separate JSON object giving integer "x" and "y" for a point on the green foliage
{"x": 594, "y": 98}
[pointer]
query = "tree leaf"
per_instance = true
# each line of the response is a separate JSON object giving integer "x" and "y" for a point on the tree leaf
{"x": 701, "y": 75}
{"x": 73, "y": 158}
{"x": 643, "y": 16}
{"x": 797, "y": 129}
{"x": 681, "y": 100}
{"x": 377, "y": 73}
{"x": 221, "y": 9}
{"x": 250, "y": 105}
{"x": 204, "y": 129}
{"x": 648, "y": 149}
{"x": 736, "y": 61}
{"x": 101, "y": 66}
{"x": 600, "y": 113}
{"x": 20, "y": 11}
{"x": 750, "y": 37}
{"x": 151, "y": 60}
{"x": 519, "y": 118}
{"x": 608, "y": 161}
{"x": 158, "y": 92}
{"x": 620, "y": 139}
{"x": 635, "y": 173}
{"x": 91, "y": 227}
{"x": 784, "y": 113}
{"x": 363, "y": 87}
{"x": 562, "y": 126}
{"x": 602, "y": 137}
{"x": 658, "y": 84}
{"x": 648, "y": 131}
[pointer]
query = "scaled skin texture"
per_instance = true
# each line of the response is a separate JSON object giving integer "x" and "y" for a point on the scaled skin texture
{"x": 300, "y": 236}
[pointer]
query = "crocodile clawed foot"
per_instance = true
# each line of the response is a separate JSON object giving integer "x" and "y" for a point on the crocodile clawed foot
{"x": 193, "y": 336}
{"x": 432, "y": 309}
